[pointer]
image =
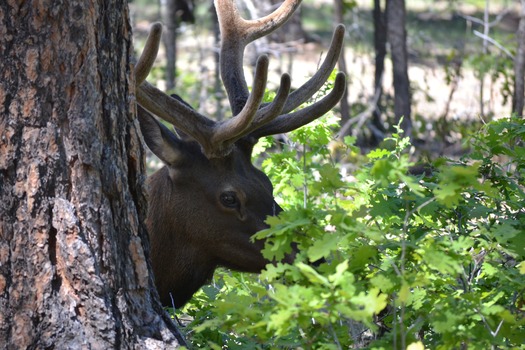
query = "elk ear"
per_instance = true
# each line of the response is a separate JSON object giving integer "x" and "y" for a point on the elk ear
{"x": 160, "y": 140}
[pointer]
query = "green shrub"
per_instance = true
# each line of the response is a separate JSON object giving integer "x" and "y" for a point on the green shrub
{"x": 427, "y": 261}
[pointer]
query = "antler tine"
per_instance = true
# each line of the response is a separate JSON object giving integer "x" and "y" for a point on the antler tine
{"x": 268, "y": 113}
{"x": 306, "y": 91}
{"x": 267, "y": 24}
{"x": 236, "y": 33}
{"x": 233, "y": 127}
{"x": 149, "y": 54}
{"x": 233, "y": 25}
{"x": 261, "y": 116}
{"x": 288, "y": 122}
{"x": 272, "y": 110}
{"x": 177, "y": 113}
{"x": 166, "y": 107}
{"x": 250, "y": 117}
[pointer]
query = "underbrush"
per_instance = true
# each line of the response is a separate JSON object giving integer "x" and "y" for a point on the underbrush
{"x": 388, "y": 259}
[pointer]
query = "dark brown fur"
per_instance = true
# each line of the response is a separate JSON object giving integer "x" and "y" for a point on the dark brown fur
{"x": 191, "y": 231}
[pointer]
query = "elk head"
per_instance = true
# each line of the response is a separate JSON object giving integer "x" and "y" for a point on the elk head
{"x": 209, "y": 199}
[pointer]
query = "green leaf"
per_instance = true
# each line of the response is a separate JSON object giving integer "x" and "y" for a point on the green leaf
{"x": 417, "y": 298}
{"x": 447, "y": 320}
{"x": 439, "y": 260}
{"x": 322, "y": 248}
{"x": 404, "y": 293}
{"x": 340, "y": 273}
{"x": 384, "y": 282}
{"x": 521, "y": 267}
{"x": 378, "y": 154}
{"x": 449, "y": 194}
{"x": 416, "y": 346}
{"x": 330, "y": 177}
{"x": 363, "y": 256}
{"x": 369, "y": 304}
{"x": 279, "y": 226}
{"x": 312, "y": 275}
{"x": 454, "y": 180}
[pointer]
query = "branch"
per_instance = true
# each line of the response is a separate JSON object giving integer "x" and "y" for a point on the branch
{"x": 496, "y": 21}
{"x": 493, "y": 42}
{"x": 361, "y": 117}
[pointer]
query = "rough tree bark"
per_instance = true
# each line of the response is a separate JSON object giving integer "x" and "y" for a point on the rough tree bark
{"x": 73, "y": 270}
{"x": 519, "y": 66}
{"x": 396, "y": 34}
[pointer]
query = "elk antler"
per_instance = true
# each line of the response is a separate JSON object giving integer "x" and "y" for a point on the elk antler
{"x": 249, "y": 116}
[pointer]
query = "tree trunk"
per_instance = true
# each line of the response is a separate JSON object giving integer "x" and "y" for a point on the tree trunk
{"x": 380, "y": 40}
{"x": 343, "y": 104}
{"x": 169, "y": 38}
{"x": 173, "y": 13}
{"x": 396, "y": 34}
{"x": 519, "y": 67}
{"x": 218, "y": 91}
{"x": 73, "y": 249}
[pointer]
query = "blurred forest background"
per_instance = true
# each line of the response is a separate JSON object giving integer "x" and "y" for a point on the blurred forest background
{"x": 457, "y": 70}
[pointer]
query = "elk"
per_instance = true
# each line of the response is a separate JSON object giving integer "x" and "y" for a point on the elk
{"x": 209, "y": 199}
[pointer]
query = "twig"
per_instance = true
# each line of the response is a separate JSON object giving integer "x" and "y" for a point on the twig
{"x": 485, "y": 322}
{"x": 496, "y": 21}
{"x": 493, "y": 42}
{"x": 334, "y": 335}
{"x": 361, "y": 117}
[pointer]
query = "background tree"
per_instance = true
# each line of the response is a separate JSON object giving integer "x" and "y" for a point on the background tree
{"x": 339, "y": 11}
{"x": 73, "y": 250}
{"x": 397, "y": 35}
{"x": 379, "y": 20}
{"x": 519, "y": 66}
{"x": 173, "y": 13}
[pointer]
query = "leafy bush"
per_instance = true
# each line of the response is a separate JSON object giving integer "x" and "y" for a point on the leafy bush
{"x": 388, "y": 259}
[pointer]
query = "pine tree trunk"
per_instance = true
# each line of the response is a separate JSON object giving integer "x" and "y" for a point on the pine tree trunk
{"x": 380, "y": 40}
{"x": 73, "y": 249}
{"x": 519, "y": 67}
{"x": 171, "y": 23}
{"x": 173, "y": 13}
{"x": 343, "y": 104}
{"x": 396, "y": 33}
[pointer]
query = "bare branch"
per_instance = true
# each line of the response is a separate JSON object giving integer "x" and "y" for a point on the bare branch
{"x": 495, "y": 22}
{"x": 494, "y": 42}
{"x": 361, "y": 117}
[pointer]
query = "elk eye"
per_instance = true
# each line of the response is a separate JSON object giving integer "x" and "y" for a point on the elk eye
{"x": 229, "y": 199}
